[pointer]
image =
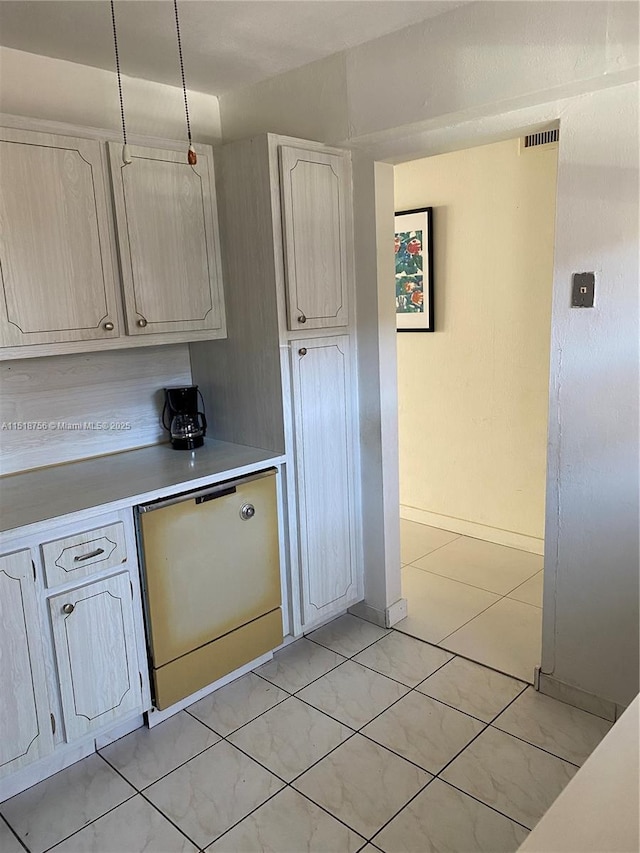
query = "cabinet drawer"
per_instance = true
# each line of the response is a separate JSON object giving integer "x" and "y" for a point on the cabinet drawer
{"x": 84, "y": 554}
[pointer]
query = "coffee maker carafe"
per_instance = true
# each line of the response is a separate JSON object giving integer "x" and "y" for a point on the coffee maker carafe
{"x": 182, "y": 418}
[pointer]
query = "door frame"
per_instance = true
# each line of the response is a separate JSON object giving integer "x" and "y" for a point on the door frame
{"x": 378, "y": 153}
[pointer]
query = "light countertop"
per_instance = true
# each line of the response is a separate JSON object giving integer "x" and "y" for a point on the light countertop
{"x": 122, "y": 479}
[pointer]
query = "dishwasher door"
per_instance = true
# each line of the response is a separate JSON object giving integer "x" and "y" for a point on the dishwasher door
{"x": 212, "y": 582}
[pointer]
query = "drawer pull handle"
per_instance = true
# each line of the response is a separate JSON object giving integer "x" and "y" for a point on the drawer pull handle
{"x": 88, "y": 556}
{"x": 68, "y": 608}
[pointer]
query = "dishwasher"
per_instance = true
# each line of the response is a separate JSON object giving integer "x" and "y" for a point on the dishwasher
{"x": 211, "y": 580}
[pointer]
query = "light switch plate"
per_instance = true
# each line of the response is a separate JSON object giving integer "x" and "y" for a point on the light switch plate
{"x": 583, "y": 290}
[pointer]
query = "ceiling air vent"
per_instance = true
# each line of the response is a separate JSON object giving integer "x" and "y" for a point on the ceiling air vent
{"x": 544, "y": 137}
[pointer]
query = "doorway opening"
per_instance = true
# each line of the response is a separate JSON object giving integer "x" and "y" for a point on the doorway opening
{"x": 473, "y": 403}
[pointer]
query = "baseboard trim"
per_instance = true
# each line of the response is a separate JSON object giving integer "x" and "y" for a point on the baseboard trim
{"x": 383, "y": 618}
{"x": 473, "y": 529}
{"x": 570, "y": 695}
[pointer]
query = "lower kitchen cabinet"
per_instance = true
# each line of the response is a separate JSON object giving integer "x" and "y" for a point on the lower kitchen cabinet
{"x": 95, "y": 648}
{"x": 72, "y": 651}
{"x": 324, "y": 459}
{"x": 25, "y": 723}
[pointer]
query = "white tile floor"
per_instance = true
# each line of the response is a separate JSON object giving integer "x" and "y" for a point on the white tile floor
{"x": 354, "y": 739}
{"x": 474, "y": 598}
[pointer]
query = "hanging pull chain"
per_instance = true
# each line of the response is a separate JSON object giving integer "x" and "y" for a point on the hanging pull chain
{"x": 192, "y": 157}
{"x": 126, "y": 157}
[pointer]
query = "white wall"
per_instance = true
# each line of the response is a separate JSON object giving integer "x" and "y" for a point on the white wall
{"x": 491, "y": 71}
{"x": 473, "y": 395}
{"x": 310, "y": 103}
{"x": 590, "y": 633}
{"x": 52, "y": 89}
{"x": 479, "y": 59}
{"x": 489, "y": 57}
{"x": 378, "y": 400}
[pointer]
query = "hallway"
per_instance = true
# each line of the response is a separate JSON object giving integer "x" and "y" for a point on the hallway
{"x": 477, "y": 599}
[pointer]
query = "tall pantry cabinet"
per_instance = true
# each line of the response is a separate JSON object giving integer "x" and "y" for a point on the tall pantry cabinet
{"x": 285, "y": 378}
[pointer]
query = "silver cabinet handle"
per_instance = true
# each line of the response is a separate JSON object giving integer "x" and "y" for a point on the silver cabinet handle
{"x": 302, "y": 319}
{"x": 68, "y": 608}
{"x": 88, "y": 556}
{"x": 142, "y": 322}
{"x": 302, "y": 351}
{"x": 108, "y": 327}
{"x": 247, "y": 512}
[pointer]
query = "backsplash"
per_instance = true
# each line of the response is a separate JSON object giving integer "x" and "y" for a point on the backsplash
{"x": 69, "y": 407}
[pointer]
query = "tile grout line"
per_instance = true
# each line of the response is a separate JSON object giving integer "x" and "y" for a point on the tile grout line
{"x": 438, "y": 776}
{"x": 354, "y": 732}
{"x": 464, "y": 624}
{"x": 253, "y": 719}
{"x": 486, "y": 805}
{"x": 289, "y": 785}
{"x": 534, "y": 745}
{"x": 264, "y": 678}
{"x": 429, "y": 553}
{"x": 464, "y": 657}
{"x": 140, "y": 792}
{"x": 14, "y": 833}
{"x": 486, "y": 725}
{"x": 388, "y": 749}
{"x": 112, "y": 809}
{"x": 164, "y": 775}
{"x": 360, "y": 731}
{"x": 500, "y": 595}
{"x": 359, "y": 652}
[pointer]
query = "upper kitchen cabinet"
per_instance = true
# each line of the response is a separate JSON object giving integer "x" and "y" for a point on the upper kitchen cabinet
{"x": 315, "y": 204}
{"x": 167, "y": 231}
{"x": 56, "y": 270}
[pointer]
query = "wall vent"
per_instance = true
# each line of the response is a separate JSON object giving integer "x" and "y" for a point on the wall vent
{"x": 544, "y": 137}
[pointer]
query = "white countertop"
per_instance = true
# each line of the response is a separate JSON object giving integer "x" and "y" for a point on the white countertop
{"x": 598, "y": 811}
{"x": 122, "y": 479}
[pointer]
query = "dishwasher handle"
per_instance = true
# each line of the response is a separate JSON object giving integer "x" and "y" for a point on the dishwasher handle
{"x": 202, "y": 499}
{"x": 209, "y": 493}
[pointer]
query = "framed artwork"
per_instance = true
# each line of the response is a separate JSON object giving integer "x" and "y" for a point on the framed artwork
{"x": 414, "y": 270}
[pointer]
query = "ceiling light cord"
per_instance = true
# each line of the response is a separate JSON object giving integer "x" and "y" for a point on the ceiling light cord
{"x": 126, "y": 159}
{"x": 192, "y": 158}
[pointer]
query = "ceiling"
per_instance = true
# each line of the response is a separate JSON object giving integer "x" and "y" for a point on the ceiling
{"x": 227, "y": 44}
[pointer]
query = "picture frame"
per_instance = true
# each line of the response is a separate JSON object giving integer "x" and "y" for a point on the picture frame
{"x": 414, "y": 270}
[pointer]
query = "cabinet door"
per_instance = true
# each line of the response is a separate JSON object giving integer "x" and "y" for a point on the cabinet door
{"x": 314, "y": 208}
{"x": 57, "y": 277}
{"x": 168, "y": 239}
{"x": 324, "y": 456}
{"x": 94, "y": 639}
{"x": 25, "y": 724}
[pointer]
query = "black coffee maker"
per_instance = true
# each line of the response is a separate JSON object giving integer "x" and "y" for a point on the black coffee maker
{"x": 182, "y": 418}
